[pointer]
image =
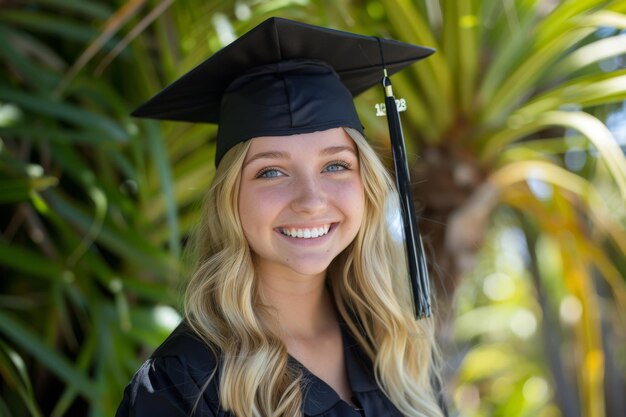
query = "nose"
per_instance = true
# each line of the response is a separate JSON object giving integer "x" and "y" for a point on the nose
{"x": 308, "y": 195}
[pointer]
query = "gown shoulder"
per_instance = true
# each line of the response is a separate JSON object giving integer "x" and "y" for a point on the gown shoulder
{"x": 172, "y": 381}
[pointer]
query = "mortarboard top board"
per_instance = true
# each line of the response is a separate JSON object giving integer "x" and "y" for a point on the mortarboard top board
{"x": 196, "y": 96}
{"x": 284, "y": 78}
{"x": 277, "y": 46}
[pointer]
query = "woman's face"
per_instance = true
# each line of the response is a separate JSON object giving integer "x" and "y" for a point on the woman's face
{"x": 301, "y": 200}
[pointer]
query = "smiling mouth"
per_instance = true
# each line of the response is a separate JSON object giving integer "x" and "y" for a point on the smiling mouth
{"x": 305, "y": 233}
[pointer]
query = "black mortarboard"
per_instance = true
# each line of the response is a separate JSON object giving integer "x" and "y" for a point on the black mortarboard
{"x": 284, "y": 78}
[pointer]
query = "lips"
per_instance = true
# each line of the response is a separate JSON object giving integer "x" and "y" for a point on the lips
{"x": 305, "y": 233}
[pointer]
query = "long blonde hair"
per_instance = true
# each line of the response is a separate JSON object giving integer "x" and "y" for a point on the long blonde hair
{"x": 368, "y": 282}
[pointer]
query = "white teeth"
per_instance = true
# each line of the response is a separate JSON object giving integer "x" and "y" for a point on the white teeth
{"x": 306, "y": 233}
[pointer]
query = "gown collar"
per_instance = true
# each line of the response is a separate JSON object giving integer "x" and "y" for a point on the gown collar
{"x": 319, "y": 397}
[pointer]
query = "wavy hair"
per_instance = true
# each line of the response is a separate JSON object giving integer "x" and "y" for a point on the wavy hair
{"x": 367, "y": 281}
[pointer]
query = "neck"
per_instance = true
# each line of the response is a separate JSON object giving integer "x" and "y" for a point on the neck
{"x": 298, "y": 307}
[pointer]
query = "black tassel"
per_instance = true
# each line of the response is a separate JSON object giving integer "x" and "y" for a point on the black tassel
{"x": 416, "y": 258}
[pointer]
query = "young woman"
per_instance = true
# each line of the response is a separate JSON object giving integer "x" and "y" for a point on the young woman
{"x": 299, "y": 304}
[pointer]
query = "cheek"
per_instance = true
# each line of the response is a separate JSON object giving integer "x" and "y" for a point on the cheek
{"x": 352, "y": 200}
{"x": 246, "y": 210}
{"x": 257, "y": 209}
{"x": 251, "y": 223}
{"x": 245, "y": 214}
{"x": 359, "y": 206}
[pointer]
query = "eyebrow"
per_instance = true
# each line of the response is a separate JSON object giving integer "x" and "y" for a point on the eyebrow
{"x": 267, "y": 155}
{"x": 331, "y": 150}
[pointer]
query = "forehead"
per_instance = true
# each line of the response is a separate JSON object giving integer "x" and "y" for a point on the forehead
{"x": 302, "y": 143}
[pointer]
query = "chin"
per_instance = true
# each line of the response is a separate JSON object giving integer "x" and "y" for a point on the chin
{"x": 309, "y": 270}
{"x": 304, "y": 265}
{"x": 313, "y": 265}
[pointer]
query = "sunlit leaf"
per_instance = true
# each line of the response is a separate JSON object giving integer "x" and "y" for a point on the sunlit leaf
{"x": 583, "y": 91}
{"x": 586, "y": 124}
{"x": 550, "y": 173}
{"x": 65, "y": 112}
{"x": 13, "y": 369}
{"x": 15, "y": 190}
{"x": 111, "y": 26}
{"x": 592, "y": 53}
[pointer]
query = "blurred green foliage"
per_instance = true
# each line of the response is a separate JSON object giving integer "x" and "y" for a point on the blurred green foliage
{"x": 510, "y": 152}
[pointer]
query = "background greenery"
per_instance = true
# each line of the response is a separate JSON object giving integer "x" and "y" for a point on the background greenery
{"x": 516, "y": 129}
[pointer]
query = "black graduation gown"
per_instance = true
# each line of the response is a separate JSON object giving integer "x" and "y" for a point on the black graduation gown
{"x": 168, "y": 383}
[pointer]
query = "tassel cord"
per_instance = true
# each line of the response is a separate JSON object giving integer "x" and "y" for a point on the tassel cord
{"x": 418, "y": 271}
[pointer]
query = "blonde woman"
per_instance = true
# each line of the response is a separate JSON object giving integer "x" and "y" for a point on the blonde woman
{"x": 299, "y": 304}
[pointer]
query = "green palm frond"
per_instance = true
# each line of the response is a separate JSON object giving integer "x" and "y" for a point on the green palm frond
{"x": 97, "y": 206}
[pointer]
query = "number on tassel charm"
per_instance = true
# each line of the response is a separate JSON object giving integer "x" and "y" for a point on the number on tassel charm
{"x": 381, "y": 109}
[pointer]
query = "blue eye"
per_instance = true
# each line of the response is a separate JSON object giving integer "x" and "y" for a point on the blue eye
{"x": 269, "y": 173}
{"x": 337, "y": 166}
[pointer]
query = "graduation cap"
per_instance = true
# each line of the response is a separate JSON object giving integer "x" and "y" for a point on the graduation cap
{"x": 285, "y": 78}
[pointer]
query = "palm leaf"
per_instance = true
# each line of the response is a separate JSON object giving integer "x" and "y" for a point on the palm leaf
{"x": 59, "y": 365}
